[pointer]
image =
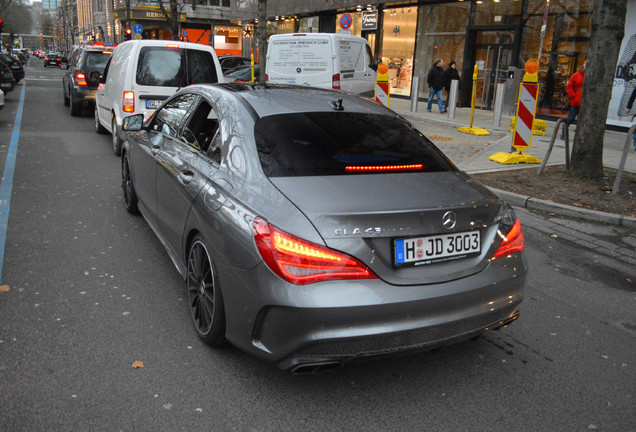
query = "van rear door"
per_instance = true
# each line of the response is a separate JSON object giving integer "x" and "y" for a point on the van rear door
{"x": 301, "y": 59}
{"x": 356, "y": 60}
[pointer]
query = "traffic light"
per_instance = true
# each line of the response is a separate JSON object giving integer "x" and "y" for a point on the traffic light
{"x": 128, "y": 33}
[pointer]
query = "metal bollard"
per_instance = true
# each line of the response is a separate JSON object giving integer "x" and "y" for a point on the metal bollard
{"x": 415, "y": 93}
{"x": 621, "y": 165}
{"x": 452, "y": 99}
{"x": 499, "y": 98}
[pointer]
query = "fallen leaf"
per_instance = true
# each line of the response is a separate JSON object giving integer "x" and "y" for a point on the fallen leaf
{"x": 629, "y": 280}
{"x": 4, "y": 288}
{"x": 137, "y": 365}
{"x": 554, "y": 236}
{"x": 577, "y": 204}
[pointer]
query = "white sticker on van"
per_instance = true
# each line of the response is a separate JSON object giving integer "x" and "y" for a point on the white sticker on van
{"x": 351, "y": 56}
{"x": 291, "y": 54}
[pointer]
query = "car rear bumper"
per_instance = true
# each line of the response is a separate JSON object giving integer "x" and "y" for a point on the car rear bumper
{"x": 324, "y": 325}
{"x": 7, "y": 86}
{"x": 84, "y": 96}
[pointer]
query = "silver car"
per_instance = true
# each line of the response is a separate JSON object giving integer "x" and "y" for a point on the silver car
{"x": 314, "y": 227}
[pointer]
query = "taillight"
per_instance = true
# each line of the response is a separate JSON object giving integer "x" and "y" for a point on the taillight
{"x": 302, "y": 262}
{"x": 100, "y": 86}
{"x": 80, "y": 79}
{"x": 129, "y": 101}
{"x": 173, "y": 46}
{"x": 266, "y": 77}
{"x": 335, "y": 82}
{"x": 511, "y": 242}
{"x": 383, "y": 168}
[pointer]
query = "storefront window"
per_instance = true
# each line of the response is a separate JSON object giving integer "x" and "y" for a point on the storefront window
{"x": 563, "y": 47}
{"x": 441, "y": 34}
{"x": 398, "y": 46}
{"x": 497, "y": 12}
{"x": 309, "y": 25}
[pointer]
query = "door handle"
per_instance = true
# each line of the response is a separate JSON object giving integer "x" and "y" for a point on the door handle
{"x": 186, "y": 177}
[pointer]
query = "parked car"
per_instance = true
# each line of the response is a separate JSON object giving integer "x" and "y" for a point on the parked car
{"x": 1, "y": 100}
{"x": 315, "y": 227}
{"x": 53, "y": 58}
{"x": 16, "y": 66}
{"x": 81, "y": 77}
{"x": 230, "y": 62}
{"x": 242, "y": 74}
{"x": 7, "y": 82}
{"x": 42, "y": 54}
{"x": 143, "y": 73}
{"x": 325, "y": 60}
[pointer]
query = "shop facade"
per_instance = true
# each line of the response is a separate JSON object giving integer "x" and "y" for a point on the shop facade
{"x": 496, "y": 35}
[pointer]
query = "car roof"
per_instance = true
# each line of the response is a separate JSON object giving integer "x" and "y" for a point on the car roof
{"x": 271, "y": 99}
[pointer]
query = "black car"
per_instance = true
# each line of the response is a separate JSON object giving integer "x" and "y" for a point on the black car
{"x": 230, "y": 62}
{"x": 242, "y": 74}
{"x": 15, "y": 65}
{"x": 53, "y": 58}
{"x": 81, "y": 77}
{"x": 7, "y": 82}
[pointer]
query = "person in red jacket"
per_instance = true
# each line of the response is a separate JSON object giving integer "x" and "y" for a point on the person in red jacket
{"x": 574, "y": 89}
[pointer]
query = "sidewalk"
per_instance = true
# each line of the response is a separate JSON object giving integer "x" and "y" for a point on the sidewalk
{"x": 470, "y": 153}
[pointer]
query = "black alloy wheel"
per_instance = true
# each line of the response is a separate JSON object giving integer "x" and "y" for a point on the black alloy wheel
{"x": 204, "y": 295}
{"x": 98, "y": 126}
{"x": 130, "y": 196}
{"x": 116, "y": 140}
{"x": 66, "y": 99}
{"x": 76, "y": 109}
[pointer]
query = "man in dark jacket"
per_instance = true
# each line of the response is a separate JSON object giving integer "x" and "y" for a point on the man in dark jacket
{"x": 435, "y": 80}
{"x": 450, "y": 75}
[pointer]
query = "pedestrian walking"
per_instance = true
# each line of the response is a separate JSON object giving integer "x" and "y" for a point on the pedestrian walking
{"x": 449, "y": 75}
{"x": 435, "y": 80}
{"x": 574, "y": 89}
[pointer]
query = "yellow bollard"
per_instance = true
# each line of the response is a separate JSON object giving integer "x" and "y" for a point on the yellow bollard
{"x": 252, "y": 65}
{"x": 473, "y": 130}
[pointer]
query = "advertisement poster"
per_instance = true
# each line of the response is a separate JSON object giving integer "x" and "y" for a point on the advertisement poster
{"x": 622, "y": 108}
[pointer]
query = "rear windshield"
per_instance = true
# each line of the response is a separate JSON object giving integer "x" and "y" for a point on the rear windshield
{"x": 174, "y": 67}
{"x": 96, "y": 60}
{"x": 335, "y": 143}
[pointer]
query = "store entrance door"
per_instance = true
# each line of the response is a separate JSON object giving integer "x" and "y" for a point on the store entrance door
{"x": 492, "y": 51}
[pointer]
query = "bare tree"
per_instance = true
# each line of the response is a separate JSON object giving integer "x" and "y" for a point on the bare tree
{"x": 261, "y": 39}
{"x": 172, "y": 17}
{"x": 608, "y": 27}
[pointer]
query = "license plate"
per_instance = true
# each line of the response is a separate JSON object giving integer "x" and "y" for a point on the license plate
{"x": 436, "y": 248}
{"x": 152, "y": 103}
{"x": 5, "y": 85}
{"x": 15, "y": 67}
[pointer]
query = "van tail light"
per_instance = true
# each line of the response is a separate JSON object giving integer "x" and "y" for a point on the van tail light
{"x": 129, "y": 101}
{"x": 266, "y": 78}
{"x": 100, "y": 86}
{"x": 80, "y": 79}
{"x": 511, "y": 242}
{"x": 302, "y": 262}
{"x": 335, "y": 81}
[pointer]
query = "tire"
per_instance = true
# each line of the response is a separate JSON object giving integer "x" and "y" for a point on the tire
{"x": 76, "y": 109}
{"x": 130, "y": 196}
{"x": 98, "y": 126}
{"x": 117, "y": 143}
{"x": 204, "y": 295}
{"x": 66, "y": 99}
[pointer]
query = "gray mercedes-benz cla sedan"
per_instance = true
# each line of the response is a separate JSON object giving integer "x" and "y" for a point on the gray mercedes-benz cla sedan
{"x": 314, "y": 227}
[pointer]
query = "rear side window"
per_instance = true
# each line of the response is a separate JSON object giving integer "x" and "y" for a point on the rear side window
{"x": 95, "y": 60}
{"x": 333, "y": 143}
{"x": 172, "y": 67}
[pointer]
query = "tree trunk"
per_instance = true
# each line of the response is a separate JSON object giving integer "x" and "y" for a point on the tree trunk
{"x": 261, "y": 35}
{"x": 608, "y": 27}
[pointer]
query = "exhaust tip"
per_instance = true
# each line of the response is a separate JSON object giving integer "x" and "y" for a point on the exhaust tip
{"x": 314, "y": 368}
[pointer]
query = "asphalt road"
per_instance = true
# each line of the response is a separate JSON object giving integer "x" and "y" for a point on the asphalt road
{"x": 91, "y": 291}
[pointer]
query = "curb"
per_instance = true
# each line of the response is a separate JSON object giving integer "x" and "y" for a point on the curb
{"x": 563, "y": 209}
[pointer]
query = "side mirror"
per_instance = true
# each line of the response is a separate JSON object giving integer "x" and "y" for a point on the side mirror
{"x": 133, "y": 123}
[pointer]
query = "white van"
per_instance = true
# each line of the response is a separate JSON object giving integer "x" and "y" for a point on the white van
{"x": 143, "y": 73}
{"x": 325, "y": 60}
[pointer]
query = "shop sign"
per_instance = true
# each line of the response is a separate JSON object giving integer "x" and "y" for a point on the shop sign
{"x": 145, "y": 14}
{"x": 370, "y": 20}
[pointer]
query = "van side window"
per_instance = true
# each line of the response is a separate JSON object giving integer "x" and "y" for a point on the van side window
{"x": 370, "y": 60}
{"x": 201, "y": 68}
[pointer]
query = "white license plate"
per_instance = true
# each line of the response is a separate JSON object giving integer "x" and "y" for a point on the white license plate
{"x": 5, "y": 85}
{"x": 152, "y": 103}
{"x": 436, "y": 248}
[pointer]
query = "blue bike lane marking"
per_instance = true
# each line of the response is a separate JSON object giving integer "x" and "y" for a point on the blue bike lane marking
{"x": 6, "y": 187}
